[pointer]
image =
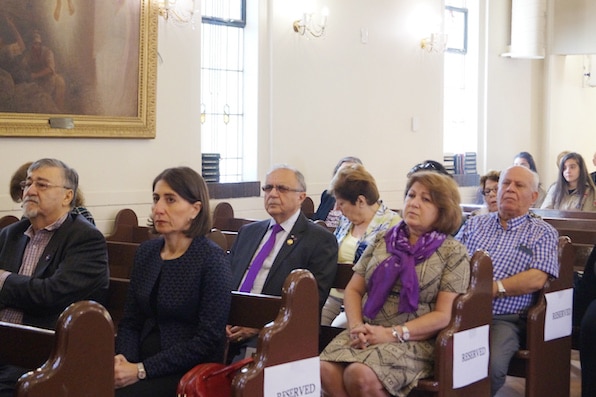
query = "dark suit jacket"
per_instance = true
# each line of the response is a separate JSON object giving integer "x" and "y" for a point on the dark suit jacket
{"x": 326, "y": 205}
{"x": 314, "y": 248}
{"x": 187, "y": 299}
{"x": 73, "y": 267}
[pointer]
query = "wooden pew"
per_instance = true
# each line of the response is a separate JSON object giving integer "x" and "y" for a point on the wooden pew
{"x": 308, "y": 207}
{"x": 127, "y": 229}
{"x": 121, "y": 257}
{"x": 77, "y": 358}
{"x": 546, "y": 365}
{"x": 116, "y": 299}
{"x": 470, "y": 310}
{"x": 7, "y": 220}
{"x": 219, "y": 238}
{"x": 290, "y": 337}
{"x": 467, "y": 209}
{"x": 224, "y": 220}
{"x": 563, "y": 214}
{"x": 25, "y": 346}
{"x": 290, "y": 326}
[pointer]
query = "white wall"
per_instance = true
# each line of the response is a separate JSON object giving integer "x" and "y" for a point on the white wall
{"x": 335, "y": 96}
{"x": 322, "y": 99}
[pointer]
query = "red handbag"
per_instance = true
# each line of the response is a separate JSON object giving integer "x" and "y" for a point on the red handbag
{"x": 210, "y": 379}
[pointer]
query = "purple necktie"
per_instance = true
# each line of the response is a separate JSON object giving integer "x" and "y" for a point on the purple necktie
{"x": 259, "y": 259}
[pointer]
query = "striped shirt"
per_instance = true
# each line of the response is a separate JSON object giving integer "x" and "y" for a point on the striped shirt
{"x": 527, "y": 243}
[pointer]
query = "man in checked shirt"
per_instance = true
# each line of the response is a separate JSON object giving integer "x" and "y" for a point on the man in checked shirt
{"x": 524, "y": 252}
{"x": 50, "y": 258}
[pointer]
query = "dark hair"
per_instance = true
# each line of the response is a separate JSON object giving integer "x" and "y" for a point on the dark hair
{"x": 583, "y": 180}
{"x": 429, "y": 165}
{"x": 444, "y": 193}
{"x": 71, "y": 177}
{"x": 489, "y": 176}
{"x": 353, "y": 181}
{"x": 191, "y": 186}
{"x": 16, "y": 192}
{"x": 347, "y": 159}
{"x": 528, "y": 157}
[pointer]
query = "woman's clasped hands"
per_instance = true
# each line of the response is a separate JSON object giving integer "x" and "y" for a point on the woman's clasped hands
{"x": 364, "y": 335}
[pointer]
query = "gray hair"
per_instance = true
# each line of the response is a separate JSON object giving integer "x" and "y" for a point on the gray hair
{"x": 535, "y": 177}
{"x": 299, "y": 176}
{"x": 71, "y": 177}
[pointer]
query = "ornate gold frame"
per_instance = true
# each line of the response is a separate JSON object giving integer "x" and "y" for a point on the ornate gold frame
{"x": 140, "y": 126}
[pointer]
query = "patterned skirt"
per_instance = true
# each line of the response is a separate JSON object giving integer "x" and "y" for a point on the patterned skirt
{"x": 397, "y": 365}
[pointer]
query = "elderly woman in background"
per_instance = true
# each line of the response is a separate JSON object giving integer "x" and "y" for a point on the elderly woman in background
{"x": 179, "y": 296}
{"x": 363, "y": 216}
{"x": 574, "y": 189}
{"x": 326, "y": 210}
{"x": 525, "y": 159}
{"x": 489, "y": 185}
{"x": 400, "y": 296}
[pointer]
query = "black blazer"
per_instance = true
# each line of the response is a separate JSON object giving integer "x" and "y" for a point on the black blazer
{"x": 313, "y": 248}
{"x": 73, "y": 267}
{"x": 326, "y": 205}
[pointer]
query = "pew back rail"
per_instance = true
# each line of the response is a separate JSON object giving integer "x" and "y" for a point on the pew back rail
{"x": 546, "y": 364}
{"x": 79, "y": 355}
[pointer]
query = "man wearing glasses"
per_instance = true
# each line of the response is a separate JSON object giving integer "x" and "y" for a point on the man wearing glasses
{"x": 264, "y": 253}
{"x": 524, "y": 252}
{"x": 49, "y": 259}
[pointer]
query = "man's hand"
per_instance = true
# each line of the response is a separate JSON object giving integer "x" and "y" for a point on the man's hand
{"x": 238, "y": 334}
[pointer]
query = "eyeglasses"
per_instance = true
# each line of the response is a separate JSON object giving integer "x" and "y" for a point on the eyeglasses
{"x": 487, "y": 192}
{"x": 280, "y": 189}
{"x": 40, "y": 185}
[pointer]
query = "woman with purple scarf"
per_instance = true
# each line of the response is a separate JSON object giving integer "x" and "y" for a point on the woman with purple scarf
{"x": 400, "y": 296}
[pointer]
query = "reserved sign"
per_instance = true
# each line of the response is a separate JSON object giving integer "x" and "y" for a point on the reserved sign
{"x": 294, "y": 379}
{"x": 470, "y": 356}
{"x": 559, "y": 307}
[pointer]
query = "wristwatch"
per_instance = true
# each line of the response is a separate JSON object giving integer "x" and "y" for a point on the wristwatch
{"x": 501, "y": 291}
{"x": 141, "y": 374}
{"x": 405, "y": 333}
{"x": 396, "y": 335}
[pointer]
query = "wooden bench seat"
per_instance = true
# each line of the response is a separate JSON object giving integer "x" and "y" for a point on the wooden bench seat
{"x": 76, "y": 360}
{"x": 7, "y": 220}
{"x": 127, "y": 229}
{"x": 546, "y": 364}
{"x": 224, "y": 219}
{"x": 25, "y": 346}
{"x": 116, "y": 299}
{"x": 121, "y": 257}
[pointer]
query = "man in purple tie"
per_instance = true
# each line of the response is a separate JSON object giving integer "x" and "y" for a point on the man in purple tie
{"x": 264, "y": 253}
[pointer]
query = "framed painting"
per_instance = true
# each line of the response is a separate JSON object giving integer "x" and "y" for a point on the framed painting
{"x": 78, "y": 68}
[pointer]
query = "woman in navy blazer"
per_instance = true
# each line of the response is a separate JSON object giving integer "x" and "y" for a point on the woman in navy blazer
{"x": 179, "y": 297}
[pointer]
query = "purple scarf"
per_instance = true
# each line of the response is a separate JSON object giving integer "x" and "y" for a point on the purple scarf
{"x": 400, "y": 265}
